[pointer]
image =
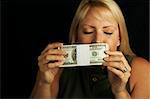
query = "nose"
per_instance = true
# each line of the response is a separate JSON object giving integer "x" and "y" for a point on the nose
{"x": 99, "y": 37}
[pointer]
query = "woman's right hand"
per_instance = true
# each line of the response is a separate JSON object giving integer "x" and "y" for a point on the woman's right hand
{"x": 49, "y": 61}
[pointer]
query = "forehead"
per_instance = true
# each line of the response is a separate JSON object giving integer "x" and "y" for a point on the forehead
{"x": 99, "y": 15}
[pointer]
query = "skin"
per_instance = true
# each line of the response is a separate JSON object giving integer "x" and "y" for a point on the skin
{"x": 46, "y": 86}
{"x": 95, "y": 29}
{"x": 101, "y": 30}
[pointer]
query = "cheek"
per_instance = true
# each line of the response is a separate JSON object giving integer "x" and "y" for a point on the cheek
{"x": 113, "y": 44}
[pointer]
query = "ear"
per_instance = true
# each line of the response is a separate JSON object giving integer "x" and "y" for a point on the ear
{"x": 119, "y": 37}
{"x": 118, "y": 42}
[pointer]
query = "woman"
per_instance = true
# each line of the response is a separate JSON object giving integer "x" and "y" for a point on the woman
{"x": 122, "y": 76}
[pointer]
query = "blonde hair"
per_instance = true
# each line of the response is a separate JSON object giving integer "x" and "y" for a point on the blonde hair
{"x": 112, "y": 6}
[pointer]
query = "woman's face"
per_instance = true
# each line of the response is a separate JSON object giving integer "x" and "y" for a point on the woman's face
{"x": 99, "y": 27}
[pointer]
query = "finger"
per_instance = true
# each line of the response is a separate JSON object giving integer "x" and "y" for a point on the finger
{"x": 117, "y": 65}
{"x": 126, "y": 65}
{"x": 50, "y": 58}
{"x": 113, "y": 58}
{"x": 42, "y": 67}
{"x": 52, "y": 51}
{"x": 54, "y": 57}
{"x": 52, "y": 45}
{"x": 119, "y": 73}
{"x": 46, "y": 67}
{"x": 127, "y": 74}
{"x": 114, "y": 53}
{"x": 56, "y": 64}
{"x": 56, "y": 51}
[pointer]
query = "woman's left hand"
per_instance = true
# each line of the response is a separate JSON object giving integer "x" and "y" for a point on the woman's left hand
{"x": 118, "y": 71}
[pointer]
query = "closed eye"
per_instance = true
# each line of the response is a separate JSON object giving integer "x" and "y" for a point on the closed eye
{"x": 108, "y": 33}
{"x": 87, "y": 32}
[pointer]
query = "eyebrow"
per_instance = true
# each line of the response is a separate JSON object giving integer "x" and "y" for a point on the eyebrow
{"x": 108, "y": 26}
{"x": 88, "y": 25}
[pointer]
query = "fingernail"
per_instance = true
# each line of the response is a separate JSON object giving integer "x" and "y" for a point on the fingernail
{"x": 105, "y": 58}
{"x": 107, "y": 51}
{"x": 104, "y": 64}
{"x": 63, "y": 51}
{"x": 64, "y": 59}
{"x": 109, "y": 68}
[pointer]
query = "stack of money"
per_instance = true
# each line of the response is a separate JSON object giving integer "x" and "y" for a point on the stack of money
{"x": 84, "y": 54}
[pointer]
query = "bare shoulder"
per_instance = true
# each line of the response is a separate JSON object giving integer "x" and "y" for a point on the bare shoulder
{"x": 140, "y": 65}
{"x": 140, "y": 61}
{"x": 139, "y": 76}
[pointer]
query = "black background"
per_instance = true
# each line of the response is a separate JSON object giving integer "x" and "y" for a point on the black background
{"x": 29, "y": 25}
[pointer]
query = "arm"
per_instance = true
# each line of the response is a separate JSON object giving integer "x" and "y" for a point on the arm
{"x": 46, "y": 86}
{"x": 119, "y": 72}
{"x": 45, "y": 90}
{"x": 123, "y": 95}
{"x": 40, "y": 89}
{"x": 140, "y": 79}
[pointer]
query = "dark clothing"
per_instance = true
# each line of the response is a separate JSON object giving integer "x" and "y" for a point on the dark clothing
{"x": 86, "y": 82}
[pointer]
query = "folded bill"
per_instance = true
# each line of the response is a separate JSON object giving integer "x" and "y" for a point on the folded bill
{"x": 84, "y": 54}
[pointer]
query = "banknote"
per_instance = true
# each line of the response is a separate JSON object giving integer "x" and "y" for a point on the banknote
{"x": 84, "y": 54}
